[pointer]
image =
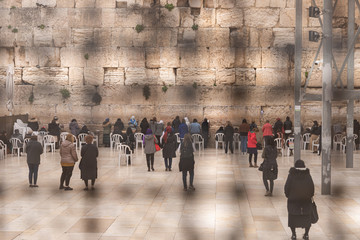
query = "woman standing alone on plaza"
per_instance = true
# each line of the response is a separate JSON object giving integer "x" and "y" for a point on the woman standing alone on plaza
{"x": 251, "y": 146}
{"x": 88, "y": 163}
{"x": 187, "y": 161}
{"x": 269, "y": 166}
{"x": 68, "y": 158}
{"x": 149, "y": 148}
{"x": 169, "y": 142}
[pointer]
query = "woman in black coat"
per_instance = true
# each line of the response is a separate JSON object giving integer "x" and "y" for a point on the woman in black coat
{"x": 187, "y": 162}
{"x": 144, "y": 125}
{"x": 88, "y": 163}
{"x": 169, "y": 142}
{"x": 270, "y": 167}
{"x": 299, "y": 189}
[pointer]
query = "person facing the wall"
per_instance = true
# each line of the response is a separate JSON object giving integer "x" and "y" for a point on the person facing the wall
{"x": 169, "y": 147}
{"x": 252, "y": 150}
{"x": 74, "y": 127}
{"x": 205, "y": 128}
{"x": 68, "y": 159}
{"x": 229, "y": 137}
{"x": 243, "y": 130}
{"x": 88, "y": 163}
{"x": 269, "y": 166}
{"x": 55, "y": 130}
{"x": 33, "y": 150}
{"x": 195, "y": 127}
{"x": 187, "y": 162}
{"x": 149, "y": 141}
{"x": 106, "y": 133}
{"x": 267, "y": 130}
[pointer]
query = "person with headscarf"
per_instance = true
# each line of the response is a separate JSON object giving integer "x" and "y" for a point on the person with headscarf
{"x": 278, "y": 126}
{"x": 169, "y": 142}
{"x": 287, "y": 127}
{"x": 84, "y": 129}
{"x": 132, "y": 123}
{"x": 229, "y": 137}
{"x": 152, "y": 124}
{"x": 269, "y": 166}
{"x": 220, "y": 130}
{"x": 299, "y": 190}
{"x": 119, "y": 124}
{"x": 159, "y": 129}
{"x": 175, "y": 124}
{"x": 107, "y": 130}
{"x": 187, "y": 162}
{"x": 251, "y": 147}
{"x": 74, "y": 127}
{"x": 55, "y": 130}
{"x": 88, "y": 163}
{"x": 128, "y": 139}
{"x": 5, "y": 140}
{"x": 187, "y": 121}
{"x": 149, "y": 141}
{"x": 183, "y": 129}
{"x": 205, "y": 127}
{"x": 315, "y": 133}
{"x": 33, "y": 123}
{"x": 144, "y": 125}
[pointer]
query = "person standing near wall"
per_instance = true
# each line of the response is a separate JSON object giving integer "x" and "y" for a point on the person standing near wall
{"x": 74, "y": 127}
{"x": 88, "y": 163}
{"x": 267, "y": 130}
{"x": 251, "y": 147}
{"x": 187, "y": 161}
{"x": 244, "y": 129}
{"x": 269, "y": 166}
{"x": 159, "y": 129}
{"x": 229, "y": 137}
{"x": 144, "y": 125}
{"x": 68, "y": 159}
{"x": 149, "y": 148}
{"x": 169, "y": 147}
{"x": 315, "y": 133}
{"x": 205, "y": 127}
{"x": 183, "y": 129}
{"x": 107, "y": 130}
{"x": 287, "y": 127}
{"x": 175, "y": 124}
{"x": 54, "y": 130}
{"x": 195, "y": 127}
{"x": 33, "y": 150}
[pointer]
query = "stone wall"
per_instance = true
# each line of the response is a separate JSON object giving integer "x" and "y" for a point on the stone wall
{"x": 220, "y": 59}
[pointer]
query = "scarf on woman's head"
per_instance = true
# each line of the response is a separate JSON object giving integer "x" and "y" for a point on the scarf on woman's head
{"x": 168, "y": 130}
{"x": 149, "y": 131}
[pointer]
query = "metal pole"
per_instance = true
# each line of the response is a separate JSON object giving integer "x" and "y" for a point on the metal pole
{"x": 326, "y": 100}
{"x": 297, "y": 87}
{"x": 350, "y": 86}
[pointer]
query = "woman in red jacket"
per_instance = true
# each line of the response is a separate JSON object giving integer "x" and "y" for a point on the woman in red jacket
{"x": 251, "y": 146}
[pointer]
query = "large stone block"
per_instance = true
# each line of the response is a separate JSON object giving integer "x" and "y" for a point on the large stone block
{"x": 277, "y": 77}
{"x": 278, "y": 3}
{"x": 254, "y": 38}
{"x": 152, "y": 57}
{"x": 23, "y": 37}
{"x": 186, "y": 19}
{"x": 170, "y": 57}
{"x": 85, "y": 3}
{"x": 284, "y": 37}
{"x": 76, "y": 76}
{"x": 49, "y": 57}
{"x": 122, "y": 37}
{"x": 46, "y": 76}
{"x": 261, "y": 17}
{"x": 226, "y": 3}
{"x": 169, "y": 18}
{"x": 167, "y": 37}
{"x": 245, "y": 77}
{"x": 194, "y": 58}
{"x": 287, "y": 17}
{"x": 200, "y": 76}
{"x": 114, "y": 76}
{"x": 213, "y": 37}
{"x": 131, "y": 57}
{"x": 167, "y": 76}
{"x": 126, "y": 18}
{"x": 239, "y": 38}
{"x": 54, "y": 17}
{"x": 10, "y": 3}
{"x": 102, "y": 37}
{"x": 150, "y": 16}
{"x": 245, "y": 4}
{"x": 26, "y": 56}
{"x": 7, "y": 56}
{"x": 141, "y": 76}
{"x": 248, "y": 57}
{"x": 72, "y": 57}
{"x": 105, "y": 4}
{"x": 275, "y": 58}
{"x": 82, "y": 37}
{"x": 17, "y": 76}
{"x": 222, "y": 57}
{"x": 263, "y": 3}
{"x": 225, "y": 76}
{"x": 61, "y": 37}
{"x": 94, "y": 76}
{"x": 7, "y": 38}
{"x": 266, "y": 38}
{"x": 65, "y": 3}
{"x": 5, "y": 17}
{"x": 108, "y": 17}
{"x": 146, "y": 38}
{"x": 206, "y": 18}
{"x": 85, "y": 17}
{"x": 230, "y": 17}
{"x": 25, "y": 17}
{"x": 28, "y": 3}
{"x": 43, "y": 37}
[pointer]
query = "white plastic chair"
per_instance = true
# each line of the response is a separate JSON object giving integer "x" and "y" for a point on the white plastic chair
{"x": 26, "y": 140}
{"x": 355, "y": 137}
{"x": 220, "y": 140}
{"x": 337, "y": 141}
{"x": 178, "y": 141}
{"x": 81, "y": 138}
{"x": 289, "y": 145}
{"x": 63, "y": 136}
{"x": 139, "y": 139}
{"x": 198, "y": 139}
{"x": 316, "y": 143}
{"x": 306, "y": 140}
{"x": 279, "y": 145}
{"x": 236, "y": 140}
{"x": 343, "y": 144}
{"x": 15, "y": 142}
{"x": 123, "y": 152}
{"x": 49, "y": 140}
{"x": 116, "y": 140}
{"x": 3, "y": 150}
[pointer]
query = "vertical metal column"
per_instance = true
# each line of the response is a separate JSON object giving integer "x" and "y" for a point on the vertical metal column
{"x": 297, "y": 85}
{"x": 350, "y": 86}
{"x": 326, "y": 100}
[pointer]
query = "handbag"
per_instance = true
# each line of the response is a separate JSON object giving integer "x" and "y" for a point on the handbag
{"x": 157, "y": 147}
{"x": 258, "y": 146}
{"x": 314, "y": 212}
{"x": 261, "y": 167}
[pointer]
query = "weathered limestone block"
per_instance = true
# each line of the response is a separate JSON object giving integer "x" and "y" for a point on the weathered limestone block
{"x": 261, "y": 17}
{"x": 222, "y": 57}
{"x": 186, "y": 37}
{"x": 287, "y": 17}
{"x": 167, "y": 76}
{"x": 167, "y": 37}
{"x": 28, "y": 3}
{"x": 114, "y": 76}
{"x": 195, "y": 3}
{"x": 85, "y": 17}
{"x": 141, "y": 76}
{"x": 248, "y": 57}
{"x": 72, "y": 57}
{"x": 17, "y": 75}
{"x": 105, "y": 4}
{"x": 76, "y": 76}
{"x": 263, "y": 3}
{"x": 46, "y": 75}
{"x": 206, "y": 18}
{"x": 49, "y": 57}
{"x": 278, "y": 3}
{"x": 200, "y": 76}
{"x": 7, "y": 38}
{"x": 131, "y": 57}
{"x": 22, "y": 94}
{"x": 225, "y": 76}
{"x": 150, "y": 17}
{"x": 121, "y": 4}
{"x": 9, "y": 3}
{"x": 113, "y": 95}
{"x": 23, "y": 37}
{"x": 290, "y": 4}
{"x": 239, "y": 38}
{"x": 108, "y": 17}
{"x": 245, "y": 77}
{"x": 169, "y": 57}
{"x": 61, "y": 37}
{"x": 85, "y": 3}
{"x": 47, "y": 3}
{"x": 122, "y": 37}
{"x": 308, "y": 58}
{"x": 54, "y": 17}
{"x": 210, "y": 4}
{"x": 125, "y": 18}
{"x": 81, "y": 95}
{"x": 5, "y": 17}
{"x": 275, "y": 58}
{"x": 211, "y": 37}
{"x": 169, "y": 18}
{"x": 226, "y": 3}
{"x": 94, "y": 76}
{"x": 266, "y": 38}
{"x": 186, "y": 19}
{"x": 152, "y": 57}
{"x": 26, "y": 56}
{"x": 278, "y": 77}
{"x": 146, "y": 38}
{"x": 102, "y": 38}
{"x": 43, "y": 37}
{"x": 284, "y": 37}
{"x": 25, "y": 17}
{"x": 230, "y": 17}
{"x": 82, "y": 37}
{"x": 244, "y": 4}
{"x": 194, "y": 58}
{"x": 254, "y": 38}
{"x": 65, "y": 3}
{"x": 7, "y": 56}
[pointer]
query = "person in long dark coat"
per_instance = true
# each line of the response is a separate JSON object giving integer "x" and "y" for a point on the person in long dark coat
{"x": 299, "y": 190}
{"x": 229, "y": 137}
{"x": 33, "y": 150}
{"x": 88, "y": 163}
{"x": 187, "y": 161}
{"x": 169, "y": 142}
{"x": 270, "y": 167}
{"x": 119, "y": 124}
{"x": 144, "y": 125}
{"x": 205, "y": 126}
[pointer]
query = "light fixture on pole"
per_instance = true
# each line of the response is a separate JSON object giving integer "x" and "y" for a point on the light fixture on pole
{"x": 314, "y": 12}
{"x": 314, "y": 36}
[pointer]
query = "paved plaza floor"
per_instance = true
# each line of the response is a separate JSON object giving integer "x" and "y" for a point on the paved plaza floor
{"x": 131, "y": 203}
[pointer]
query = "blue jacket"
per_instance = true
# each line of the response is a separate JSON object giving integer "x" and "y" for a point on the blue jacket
{"x": 195, "y": 128}
{"x": 183, "y": 129}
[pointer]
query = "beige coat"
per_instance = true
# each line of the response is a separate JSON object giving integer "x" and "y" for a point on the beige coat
{"x": 68, "y": 154}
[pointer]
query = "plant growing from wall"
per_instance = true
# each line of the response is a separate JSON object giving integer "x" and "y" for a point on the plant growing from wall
{"x": 306, "y": 74}
{"x": 195, "y": 85}
{"x": 86, "y": 56}
{"x": 146, "y": 92}
{"x": 9, "y": 27}
{"x": 195, "y": 27}
{"x": 169, "y": 6}
{"x": 164, "y": 88}
{"x": 139, "y": 28}
{"x": 31, "y": 98}
{"x": 15, "y": 30}
{"x": 215, "y": 84}
{"x": 65, "y": 93}
{"x": 12, "y": 7}
{"x": 42, "y": 26}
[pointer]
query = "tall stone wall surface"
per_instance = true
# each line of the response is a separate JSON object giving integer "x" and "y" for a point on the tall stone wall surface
{"x": 220, "y": 59}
